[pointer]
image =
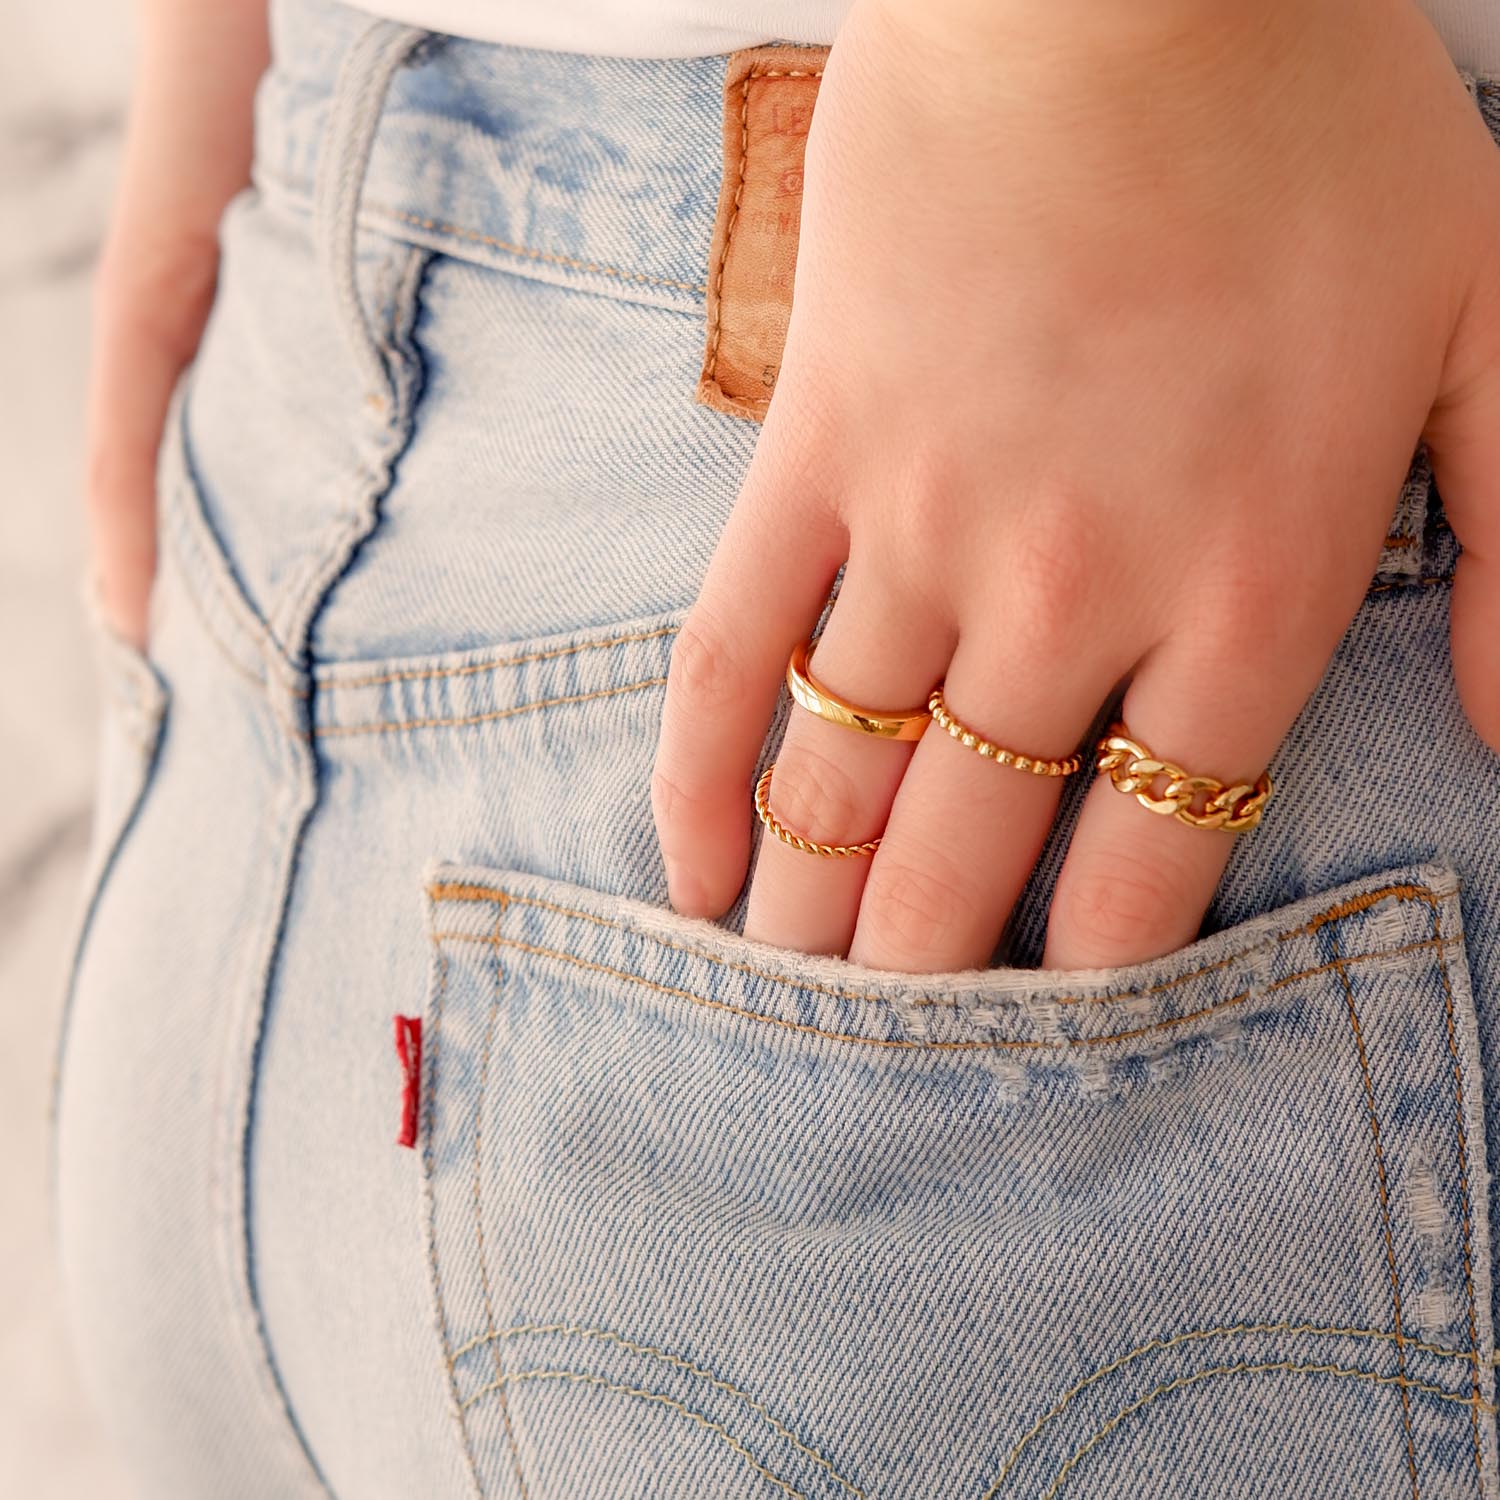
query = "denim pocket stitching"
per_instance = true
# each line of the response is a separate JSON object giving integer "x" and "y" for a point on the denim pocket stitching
{"x": 906, "y": 1044}
{"x": 461, "y": 891}
{"x": 1189, "y": 1335}
{"x": 1463, "y": 1178}
{"x": 610, "y": 1336}
{"x": 581, "y": 1377}
{"x": 459, "y": 721}
{"x": 494, "y": 663}
{"x": 1289, "y": 1367}
{"x": 1383, "y": 1194}
{"x": 496, "y": 998}
{"x": 429, "y": 1093}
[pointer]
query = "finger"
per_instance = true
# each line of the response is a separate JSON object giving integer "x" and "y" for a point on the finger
{"x": 834, "y": 785}
{"x": 147, "y": 323}
{"x": 1134, "y": 884}
{"x": 760, "y": 596}
{"x": 1463, "y": 438}
{"x": 966, "y": 828}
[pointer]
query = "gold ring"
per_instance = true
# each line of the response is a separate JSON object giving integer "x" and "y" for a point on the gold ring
{"x": 813, "y": 696}
{"x": 785, "y": 834}
{"x": 1134, "y": 770}
{"x": 937, "y": 709}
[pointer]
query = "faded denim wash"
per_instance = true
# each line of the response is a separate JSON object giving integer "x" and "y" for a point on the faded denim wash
{"x": 691, "y": 1215}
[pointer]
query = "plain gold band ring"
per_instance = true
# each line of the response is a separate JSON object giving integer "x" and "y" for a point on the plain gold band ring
{"x": 809, "y": 693}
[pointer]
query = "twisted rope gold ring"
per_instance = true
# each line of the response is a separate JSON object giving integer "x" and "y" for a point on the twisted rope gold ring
{"x": 785, "y": 834}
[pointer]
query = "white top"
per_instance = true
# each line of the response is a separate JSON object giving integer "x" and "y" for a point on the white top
{"x": 694, "y": 28}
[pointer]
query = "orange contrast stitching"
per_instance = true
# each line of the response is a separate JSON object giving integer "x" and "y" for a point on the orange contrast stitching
{"x": 1382, "y": 1189}
{"x": 1410, "y": 583}
{"x": 484, "y": 1274}
{"x": 1243, "y": 1368}
{"x": 1154, "y": 1346}
{"x": 1463, "y": 1177}
{"x": 422, "y": 674}
{"x": 1167, "y": 1024}
{"x": 606, "y": 1335}
{"x": 459, "y": 891}
{"x": 492, "y": 715}
{"x": 577, "y": 1377}
{"x": 710, "y": 373}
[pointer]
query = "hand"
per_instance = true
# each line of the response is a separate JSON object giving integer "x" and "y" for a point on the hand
{"x": 187, "y": 152}
{"x": 1114, "y": 331}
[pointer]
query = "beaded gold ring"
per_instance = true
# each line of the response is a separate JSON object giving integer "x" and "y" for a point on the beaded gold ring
{"x": 972, "y": 740}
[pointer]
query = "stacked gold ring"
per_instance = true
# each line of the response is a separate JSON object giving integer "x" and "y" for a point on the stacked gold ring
{"x": 809, "y": 693}
{"x": 972, "y": 740}
{"x": 785, "y": 834}
{"x": 1134, "y": 770}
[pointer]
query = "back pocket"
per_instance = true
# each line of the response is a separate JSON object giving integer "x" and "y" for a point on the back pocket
{"x": 711, "y": 1217}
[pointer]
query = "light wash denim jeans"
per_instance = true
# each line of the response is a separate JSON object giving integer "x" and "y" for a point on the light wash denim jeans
{"x": 691, "y": 1215}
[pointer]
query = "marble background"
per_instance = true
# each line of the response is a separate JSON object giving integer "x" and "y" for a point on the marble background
{"x": 64, "y": 73}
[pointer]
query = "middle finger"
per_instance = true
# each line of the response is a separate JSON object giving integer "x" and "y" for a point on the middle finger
{"x": 834, "y": 785}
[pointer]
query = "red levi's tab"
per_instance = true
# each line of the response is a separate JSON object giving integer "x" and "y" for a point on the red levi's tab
{"x": 409, "y": 1051}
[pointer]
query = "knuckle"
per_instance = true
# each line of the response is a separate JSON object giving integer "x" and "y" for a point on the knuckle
{"x": 1120, "y": 908}
{"x": 676, "y": 803}
{"x": 703, "y": 666}
{"x": 914, "y": 908}
{"x": 1052, "y": 571}
{"x": 817, "y": 798}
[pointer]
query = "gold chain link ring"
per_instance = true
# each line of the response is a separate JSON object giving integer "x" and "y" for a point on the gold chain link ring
{"x": 991, "y": 751}
{"x": 1134, "y": 770}
{"x": 785, "y": 834}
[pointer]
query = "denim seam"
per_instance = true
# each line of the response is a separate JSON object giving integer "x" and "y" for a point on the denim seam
{"x": 331, "y": 555}
{"x": 235, "y": 1088}
{"x": 902, "y": 1044}
{"x": 580, "y": 1377}
{"x": 205, "y": 571}
{"x": 429, "y": 1194}
{"x": 449, "y": 891}
{"x": 496, "y": 997}
{"x": 619, "y": 1340}
{"x": 461, "y": 721}
{"x": 1383, "y": 1195}
{"x": 1463, "y": 1177}
{"x": 1290, "y": 1367}
{"x": 1157, "y": 1345}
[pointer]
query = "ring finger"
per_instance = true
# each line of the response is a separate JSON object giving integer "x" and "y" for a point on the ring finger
{"x": 969, "y": 820}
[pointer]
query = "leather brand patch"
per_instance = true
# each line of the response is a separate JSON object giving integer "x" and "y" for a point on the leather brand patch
{"x": 769, "y": 93}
